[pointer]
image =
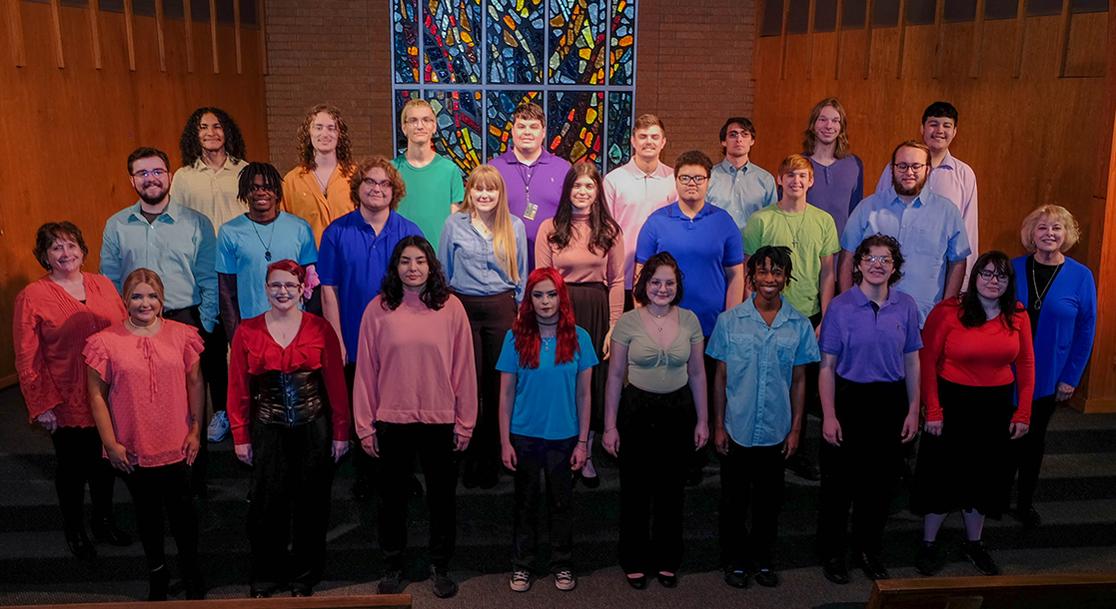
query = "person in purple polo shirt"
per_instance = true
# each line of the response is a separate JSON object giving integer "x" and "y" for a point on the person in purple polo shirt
{"x": 869, "y": 384}
{"x": 838, "y": 173}
{"x": 532, "y": 174}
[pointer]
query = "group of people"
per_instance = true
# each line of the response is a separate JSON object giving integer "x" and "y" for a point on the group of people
{"x": 513, "y": 320}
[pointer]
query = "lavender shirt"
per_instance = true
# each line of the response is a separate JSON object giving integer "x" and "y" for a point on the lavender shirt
{"x": 870, "y": 345}
{"x": 540, "y": 184}
{"x": 837, "y": 188}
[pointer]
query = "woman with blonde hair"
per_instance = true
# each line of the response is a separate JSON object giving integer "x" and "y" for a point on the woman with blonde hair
{"x": 484, "y": 249}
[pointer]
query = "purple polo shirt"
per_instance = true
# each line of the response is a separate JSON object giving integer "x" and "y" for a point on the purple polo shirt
{"x": 870, "y": 344}
{"x": 539, "y": 183}
{"x": 837, "y": 188}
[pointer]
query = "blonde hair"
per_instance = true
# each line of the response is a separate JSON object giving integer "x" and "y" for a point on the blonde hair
{"x": 503, "y": 236}
{"x": 148, "y": 276}
{"x": 795, "y": 162}
{"x": 809, "y": 139}
{"x": 1054, "y": 212}
{"x": 411, "y": 105}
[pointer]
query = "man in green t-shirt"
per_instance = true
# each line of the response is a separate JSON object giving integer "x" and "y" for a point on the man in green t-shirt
{"x": 434, "y": 183}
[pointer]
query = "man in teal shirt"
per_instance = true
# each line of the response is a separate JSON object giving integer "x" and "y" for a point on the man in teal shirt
{"x": 434, "y": 184}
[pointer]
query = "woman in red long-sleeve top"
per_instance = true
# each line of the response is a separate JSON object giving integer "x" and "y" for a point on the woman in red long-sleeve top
{"x": 978, "y": 377}
{"x": 52, "y": 318}
{"x": 289, "y": 414}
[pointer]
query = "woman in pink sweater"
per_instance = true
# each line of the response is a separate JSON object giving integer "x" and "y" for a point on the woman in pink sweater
{"x": 415, "y": 394}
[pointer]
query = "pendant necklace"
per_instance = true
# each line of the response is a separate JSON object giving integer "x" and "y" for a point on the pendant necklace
{"x": 1039, "y": 296}
{"x": 266, "y": 246}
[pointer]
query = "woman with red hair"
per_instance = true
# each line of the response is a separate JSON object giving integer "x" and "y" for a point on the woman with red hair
{"x": 289, "y": 414}
{"x": 546, "y": 366}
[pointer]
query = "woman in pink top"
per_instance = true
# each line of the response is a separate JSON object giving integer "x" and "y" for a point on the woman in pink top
{"x": 584, "y": 244}
{"x": 148, "y": 397}
{"x": 53, "y": 316}
{"x": 415, "y": 394}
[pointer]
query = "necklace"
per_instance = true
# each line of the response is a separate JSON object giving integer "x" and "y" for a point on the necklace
{"x": 267, "y": 246}
{"x": 655, "y": 316}
{"x": 796, "y": 232}
{"x": 131, "y": 325}
{"x": 1039, "y": 296}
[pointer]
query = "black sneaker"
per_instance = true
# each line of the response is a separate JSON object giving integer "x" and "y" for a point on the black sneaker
{"x": 835, "y": 570}
{"x": 737, "y": 578}
{"x": 872, "y": 567}
{"x": 1028, "y": 517}
{"x": 978, "y": 555}
{"x": 444, "y": 587}
{"x": 392, "y": 582}
{"x": 767, "y": 577}
{"x": 929, "y": 560}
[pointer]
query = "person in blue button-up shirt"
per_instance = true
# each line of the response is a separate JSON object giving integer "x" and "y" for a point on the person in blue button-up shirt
{"x": 737, "y": 185}
{"x": 762, "y": 347}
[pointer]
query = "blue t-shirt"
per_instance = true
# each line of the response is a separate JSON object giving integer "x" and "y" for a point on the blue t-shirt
{"x": 354, "y": 260}
{"x": 242, "y": 246}
{"x": 546, "y": 397}
{"x": 703, "y": 247}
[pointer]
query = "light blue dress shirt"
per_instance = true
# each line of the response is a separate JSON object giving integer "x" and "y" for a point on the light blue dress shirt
{"x": 179, "y": 245}
{"x": 470, "y": 261}
{"x": 931, "y": 235}
{"x": 759, "y": 361}
{"x": 741, "y": 192}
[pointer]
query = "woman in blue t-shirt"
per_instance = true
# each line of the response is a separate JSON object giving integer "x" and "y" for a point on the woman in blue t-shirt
{"x": 546, "y": 364}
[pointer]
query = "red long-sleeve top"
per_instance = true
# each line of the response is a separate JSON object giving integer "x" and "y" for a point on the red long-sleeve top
{"x": 254, "y": 351}
{"x": 978, "y": 357}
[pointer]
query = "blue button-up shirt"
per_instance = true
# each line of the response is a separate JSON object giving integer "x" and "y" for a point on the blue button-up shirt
{"x": 470, "y": 260}
{"x": 179, "y": 245}
{"x": 354, "y": 259}
{"x": 742, "y": 191}
{"x": 759, "y": 361}
{"x": 931, "y": 236}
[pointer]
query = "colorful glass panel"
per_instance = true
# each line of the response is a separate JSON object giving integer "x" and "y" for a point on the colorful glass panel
{"x": 501, "y": 105}
{"x": 577, "y": 42}
{"x": 619, "y": 129}
{"x": 514, "y": 33}
{"x": 404, "y": 31}
{"x": 460, "y": 118}
{"x": 576, "y": 120}
{"x": 451, "y": 41}
{"x": 621, "y": 62}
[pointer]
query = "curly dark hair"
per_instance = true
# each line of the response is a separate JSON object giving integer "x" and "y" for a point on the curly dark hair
{"x": 778, "y": 256}
{"x": 53, "y": 231}
{"x": 864, "y": 250}
{"x": 434, "y": 294}
{"x": 190, "y": 146}
{"x": 344, "y": 144}
{"x": 271, "y": 180}
{"x": 972, "y": 311}
{"x": 603, "y": 229}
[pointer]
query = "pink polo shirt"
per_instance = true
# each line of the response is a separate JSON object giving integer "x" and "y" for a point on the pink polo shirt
{"x": 632, "y": 195}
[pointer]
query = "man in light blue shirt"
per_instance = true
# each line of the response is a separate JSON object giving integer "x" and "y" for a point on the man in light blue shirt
{"x": 735, "y": 184}
{"x": 928, "y": 226}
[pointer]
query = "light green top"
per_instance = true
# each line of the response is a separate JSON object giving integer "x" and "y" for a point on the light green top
{"x": 809, "y": 234}
{"x": 430, "y": 192}
{"x": 650, "y": 367}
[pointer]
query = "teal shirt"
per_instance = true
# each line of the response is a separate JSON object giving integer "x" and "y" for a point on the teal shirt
{"x": 760, "y": 360}
{"x": 430, "y": 192}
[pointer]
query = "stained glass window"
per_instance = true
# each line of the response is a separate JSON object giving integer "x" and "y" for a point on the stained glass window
{"x": 476, "y": 60}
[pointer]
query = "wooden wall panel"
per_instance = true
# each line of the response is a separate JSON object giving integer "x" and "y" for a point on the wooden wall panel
{"x": 76, "y": 125}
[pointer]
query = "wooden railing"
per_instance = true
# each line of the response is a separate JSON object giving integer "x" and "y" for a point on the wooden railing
{"x": 1081, "y": 591}
{"x": 380, "y": 601}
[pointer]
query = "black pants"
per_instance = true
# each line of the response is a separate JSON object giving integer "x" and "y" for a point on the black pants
{"x": 806, "y": 448}
{"x": 78, "y": 453}
{"x": 292, "y": 473}
{"x": 155, "y": 489}
{"x": 862, "y": 472}
{"x": 490, "y": 318}
{"x": 698, "y": 458}
{"x": 364, "y": 466}
{"x": 537, "y": 458}
{"x": 433, "y": 445}
{"x": 751, "y": 480}
{"x": 656, "y": 441}
{"x": 1027, "y": 452}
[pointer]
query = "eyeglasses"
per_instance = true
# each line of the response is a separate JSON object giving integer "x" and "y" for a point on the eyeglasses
{"x": 284, "y": 287}
{"x": 990, "y": 275}
{"x": 149, "y": 173}
{"x": 905, "y": 167}
{"x": 692, "y": 180}
{"x": 735, "y": 134}
{"x": 259, "y": 187}
{"x": 881, "y": 260}
{"x": 383, "y": 184}
{"x": 426, "y": 120}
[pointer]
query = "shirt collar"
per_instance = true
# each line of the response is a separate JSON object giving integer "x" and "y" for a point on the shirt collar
{"x": 230, "y": 164}
{"x": 947, "y": 162}
{"x": 662, "y": 171}
{"x": 170, "y": 214}
{"x": 747, "y": 309}
{"x": 861, "y": 299}
{"x": 893, "y": 197}
{"x": 728, "y": 168}
{"x": 675, "y": 211}
{"x": 544, "y": 159}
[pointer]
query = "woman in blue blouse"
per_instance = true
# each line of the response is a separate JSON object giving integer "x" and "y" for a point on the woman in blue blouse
{"x": 1061, "y": 300}
{"x": 484, "y": 249}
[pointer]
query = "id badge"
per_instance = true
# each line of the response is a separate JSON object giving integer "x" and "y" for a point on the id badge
{"x": 530, "y": 210}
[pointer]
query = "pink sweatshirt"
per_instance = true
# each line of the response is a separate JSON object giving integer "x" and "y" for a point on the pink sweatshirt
{"x": 577, "y": 264}
{"x": 415, "y": 365}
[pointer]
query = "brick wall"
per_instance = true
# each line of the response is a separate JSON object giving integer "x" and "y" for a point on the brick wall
{"x": 693, "y": 69}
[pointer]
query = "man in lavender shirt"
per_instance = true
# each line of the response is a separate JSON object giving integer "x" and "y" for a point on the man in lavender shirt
{"x": 838, "y": 173}
{"x": 532, "y": 175}
{"x": 949, "y": 176}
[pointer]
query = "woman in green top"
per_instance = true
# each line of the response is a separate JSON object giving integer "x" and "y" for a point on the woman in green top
{"x": 658, "y": 345}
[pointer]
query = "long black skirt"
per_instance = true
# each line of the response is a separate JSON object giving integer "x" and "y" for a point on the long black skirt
{"x": 590, "y": 306}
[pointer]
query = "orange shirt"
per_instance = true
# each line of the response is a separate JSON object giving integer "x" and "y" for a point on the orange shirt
{"x": 303, "y": 197}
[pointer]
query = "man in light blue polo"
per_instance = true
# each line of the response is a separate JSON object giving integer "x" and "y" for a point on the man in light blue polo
{"x": 928, "y": 226}
{"x": 737, "y": 185}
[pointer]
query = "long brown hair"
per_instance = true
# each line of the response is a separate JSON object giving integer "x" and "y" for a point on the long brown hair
{"x": 603, "y": 229}
{"x": 809, "y": 140}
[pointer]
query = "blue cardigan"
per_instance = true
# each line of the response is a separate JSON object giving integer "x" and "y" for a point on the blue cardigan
{"x": 1066, "y": 327}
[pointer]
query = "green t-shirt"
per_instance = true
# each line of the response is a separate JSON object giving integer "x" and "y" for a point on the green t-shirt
{"x": 810, "y": 234}
{"x": 430, "y": 192}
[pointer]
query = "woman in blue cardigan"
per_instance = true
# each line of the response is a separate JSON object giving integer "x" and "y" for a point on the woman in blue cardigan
{"x": 1061, "y": 300}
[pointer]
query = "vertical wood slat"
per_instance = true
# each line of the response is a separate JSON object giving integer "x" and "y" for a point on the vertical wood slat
{"x": 837, "y": 32}
{"x": 236, "y": 36}
{"x": 93, "y": 11}
{"x": 810, "y": 40}
{"x": 213, "y": 35}
{"x": 261, "y": 20}
{"x": 1063, "y": 39}
{"x": 902, "y": 38}
{"x": 939, "y": 45}
{"x": 56, "y": 32}
{"x": 188, "y": 26}
{"x": 978, "y": 40}
{"x": 159, "y": 40}
{"x": 15, "y": 33}
{"x": 783, "y": 41}
{"x": 130, "y": 34}
{"x": 1020, "y": 35}
{"x": 867, "y": 38}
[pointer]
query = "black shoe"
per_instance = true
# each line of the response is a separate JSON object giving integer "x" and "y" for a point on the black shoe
{"x": 767, "y": 577}
{"x": 978, "y": 555}
{"x": 105, "y": 531}
{"x": 803, "y": 468}
{"x": 488, "y": 480}
{"x": 836, "y": 571}
{"x": 80, "y": 546}
{"x": 929, "y": 560}
{"x": 639, "y": 583}
{"x": 254, "y": 592}
{"x": 392, "y": 582}
{"x": 667, "y": 581}
{"x": 195, "y": 588}
{"x": 444, "y": 587}
{"x": 1028, "y": 517}
{"x": 737, "y": 578}
{"x": 300, "y": 590}
{"x": 872, "y": 567}
{"x": 158, "y": 580}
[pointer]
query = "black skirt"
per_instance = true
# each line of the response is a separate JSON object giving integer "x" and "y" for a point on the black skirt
{"x": 590, "y": 307}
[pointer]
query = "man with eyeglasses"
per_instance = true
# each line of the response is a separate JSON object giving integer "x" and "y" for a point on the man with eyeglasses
{"x": 434, "y": 184}
{"x": 928, "y": 226}
{"x": 737, "y": 185}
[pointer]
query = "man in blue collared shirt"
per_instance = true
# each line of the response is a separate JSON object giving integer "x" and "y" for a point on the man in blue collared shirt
{"x": 735, "y": 184}
{"x": 928, "y": 226}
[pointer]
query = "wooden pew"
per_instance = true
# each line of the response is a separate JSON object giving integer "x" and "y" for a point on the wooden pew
{"x": 1071, "y": 591}
{"x": 378, "y": 601}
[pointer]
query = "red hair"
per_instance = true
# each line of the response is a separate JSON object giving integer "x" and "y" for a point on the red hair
{"x": 528, "y": 343}
{"x": 289, "y": 266}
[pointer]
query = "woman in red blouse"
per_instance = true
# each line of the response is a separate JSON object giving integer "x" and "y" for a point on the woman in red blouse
{"x": 978, "y": 376}
{"x": 291, "y": 444}
{"x": 53, "y": 316}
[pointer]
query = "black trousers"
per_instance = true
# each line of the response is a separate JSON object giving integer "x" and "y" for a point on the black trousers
{"x": 79, "y": 461}
{"x": 292, "y": 473}
{"x": 433, "y": 445}
{"x": 538, "y": 459}
{"x": 156, "y": 490}
{"x": 862, "y": 472}
{"x": 1027, "y": 452}
{"x": 656, "y": 441}
{"x": 751, "y": 481}
{"x": 698, "y": 458}
{"x": 490, "y": 318}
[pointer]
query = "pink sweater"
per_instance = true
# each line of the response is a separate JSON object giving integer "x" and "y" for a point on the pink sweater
{"x": 577, "y": 264}
{"x": 415, "y": 365}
